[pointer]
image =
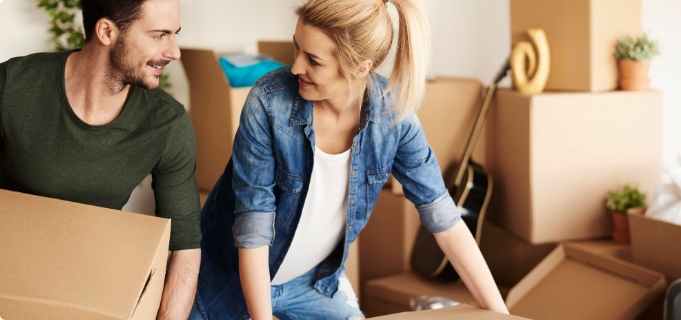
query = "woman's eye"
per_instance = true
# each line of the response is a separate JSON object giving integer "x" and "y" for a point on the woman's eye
{"x": 312, "y": 62}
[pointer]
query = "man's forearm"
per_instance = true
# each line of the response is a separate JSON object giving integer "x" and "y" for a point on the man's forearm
{"x": 182, "y": 276}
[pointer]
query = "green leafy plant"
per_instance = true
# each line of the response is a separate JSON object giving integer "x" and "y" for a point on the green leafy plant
{"x": 67, "y": 34}
{"x": 622, "y": 199}
{"x": 639, "y": 49}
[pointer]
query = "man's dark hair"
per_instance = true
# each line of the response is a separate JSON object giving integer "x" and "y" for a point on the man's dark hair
{"x": 122, "y": 12}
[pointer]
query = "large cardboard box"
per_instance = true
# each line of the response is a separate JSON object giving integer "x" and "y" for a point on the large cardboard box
{"x": 391, "y": 294}
{"x": 582, "y": 35}
{"x": 215, "y": 107}
{"x": 448, "y": 114}
{"x": 555, "y": 156}
{"x": 508, "y": 257}
{"x": 656, "y": 244}
{"x": 460, "y": 312}
{"x": 388, "y": 238}
{"x": 577, "y": 283}
{"x": 63, "y": 260}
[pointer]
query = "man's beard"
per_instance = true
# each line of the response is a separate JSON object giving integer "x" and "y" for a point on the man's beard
{"x": 122, "y": 72}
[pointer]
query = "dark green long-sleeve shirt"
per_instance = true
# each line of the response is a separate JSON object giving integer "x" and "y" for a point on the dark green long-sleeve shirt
{"x": 45, "y": 149}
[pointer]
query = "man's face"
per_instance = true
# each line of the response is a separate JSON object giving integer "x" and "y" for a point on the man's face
{"x": 139, "y": 54}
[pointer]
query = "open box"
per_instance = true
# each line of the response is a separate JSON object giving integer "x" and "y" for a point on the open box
{"x": 63, "y": 260}
{"x": 460, "y": 312}
{"x": 215, "y": 106}
{"x": 656, "y": 244}
{"x": 576, "y": 283}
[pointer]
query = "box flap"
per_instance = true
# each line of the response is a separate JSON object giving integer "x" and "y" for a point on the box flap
{"x": 74, "y": 256}
{"x": 460, "y": 312}
{"x": 573, "y": 283}
{"x": 655, "y": 244}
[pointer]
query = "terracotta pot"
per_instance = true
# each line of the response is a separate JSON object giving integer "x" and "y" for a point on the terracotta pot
{"x": 620, "y": 232}
{"x": 634, "y": 75}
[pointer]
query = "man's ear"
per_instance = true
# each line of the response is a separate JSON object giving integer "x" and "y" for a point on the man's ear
{"x": 106, "y": 31}
{"x": 364, "y": 68}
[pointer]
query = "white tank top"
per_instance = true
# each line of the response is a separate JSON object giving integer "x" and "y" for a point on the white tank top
{"x": 322, "y": 223}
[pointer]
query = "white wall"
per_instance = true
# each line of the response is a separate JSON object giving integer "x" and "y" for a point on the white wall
{"x": 470, "y": 39}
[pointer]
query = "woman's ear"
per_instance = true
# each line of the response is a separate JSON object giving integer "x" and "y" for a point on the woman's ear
{"x": 106, "y": 31}
{"x": 364, "y": 68}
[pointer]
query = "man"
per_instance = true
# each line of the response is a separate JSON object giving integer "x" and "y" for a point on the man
{"x": 87, "y": 126}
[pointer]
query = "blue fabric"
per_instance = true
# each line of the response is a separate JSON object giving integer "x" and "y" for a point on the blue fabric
{"x": 259, "y": 198}
{"x": 244, "y": 71}
{"x": 299, "y": 300}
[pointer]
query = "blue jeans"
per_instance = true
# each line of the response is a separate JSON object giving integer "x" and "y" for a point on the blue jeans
{"x": 298, "y": 300}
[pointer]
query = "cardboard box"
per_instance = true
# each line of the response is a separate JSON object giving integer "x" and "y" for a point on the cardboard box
{"x": 448, "y": 114}
{"x": 388, "y": 238}
{"x": 63, "y": 260}
{"x": 508, "y": 257}
{"x": 574, "y": 283}
{"x": 555, "y": 156}
{"x": 215, "y": 107}
{"x": 460, "y": 312}
{"x": 391, "y": 294}
{"x": 655, "y": 244}
{"x": 582, "y": 35}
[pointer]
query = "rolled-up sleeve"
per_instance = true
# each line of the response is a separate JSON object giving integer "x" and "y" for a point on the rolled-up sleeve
{"x": 416, "y": 168}
{"x": 253, "y": 174}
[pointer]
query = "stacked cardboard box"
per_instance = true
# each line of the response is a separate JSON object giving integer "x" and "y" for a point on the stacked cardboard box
{"x": 554, "y": 157}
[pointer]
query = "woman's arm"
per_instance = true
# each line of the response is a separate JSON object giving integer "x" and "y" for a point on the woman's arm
{"x": 255, "y": 281}
{"x": 462, "y": 251}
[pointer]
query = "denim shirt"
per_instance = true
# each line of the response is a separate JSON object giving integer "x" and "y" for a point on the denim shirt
{"x": 259, "y": 198}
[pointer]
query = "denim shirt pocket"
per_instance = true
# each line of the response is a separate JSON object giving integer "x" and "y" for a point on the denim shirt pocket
{"x": 286, "y": 193}
{"x": 376, "y": 178}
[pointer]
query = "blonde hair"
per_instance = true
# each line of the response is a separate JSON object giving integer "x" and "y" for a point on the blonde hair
{"x": 363, "y": 30}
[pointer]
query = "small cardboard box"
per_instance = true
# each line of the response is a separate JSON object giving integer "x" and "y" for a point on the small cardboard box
{"x": 215, "y": 107}
{"x": 63, "y": 260}
{"x": 448, "y": 114}
{"x": 391, "y": 294}
{"x": 460, "y": 312}
{"x": 576, "y": 283}
{"x": 555, "y": 156}
{"x": 508, "y": 257}
{"x": 582, "y": 35}
{"x": 656, "y": 244}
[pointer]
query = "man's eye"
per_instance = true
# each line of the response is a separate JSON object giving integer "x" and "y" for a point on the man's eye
{"x": 160, "y": 36}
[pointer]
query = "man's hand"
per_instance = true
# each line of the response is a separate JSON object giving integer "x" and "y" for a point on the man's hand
{"x": 182, "y": 276}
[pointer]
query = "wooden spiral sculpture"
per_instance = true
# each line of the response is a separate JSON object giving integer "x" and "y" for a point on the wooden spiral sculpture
{"x": 531, "y": 78}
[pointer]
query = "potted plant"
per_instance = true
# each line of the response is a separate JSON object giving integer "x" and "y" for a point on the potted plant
{"x": 633, "y": 58}
{"x": 618, "y": 202}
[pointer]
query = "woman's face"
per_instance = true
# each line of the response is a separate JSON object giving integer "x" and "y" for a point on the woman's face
{"x": 317, "y": 68}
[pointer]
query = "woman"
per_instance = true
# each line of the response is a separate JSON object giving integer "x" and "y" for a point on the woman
{"x": 315, "y": 145}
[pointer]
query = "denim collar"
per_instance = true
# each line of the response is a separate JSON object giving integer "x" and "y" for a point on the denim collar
{"x": 301, "y": 113}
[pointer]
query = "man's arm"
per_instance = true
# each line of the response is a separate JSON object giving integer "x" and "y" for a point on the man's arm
{"x": 182, "y": 276}
{"x": 462, "y": 251}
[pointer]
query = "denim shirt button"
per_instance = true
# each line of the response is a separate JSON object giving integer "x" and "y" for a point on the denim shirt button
{"x": 352, "y": 201}
{"x": 354, "y": 145}
{"x": 246, "y": 316}
{"x": 278, "y": 262}
{"x": 350, "y": 228}
{"x": 354, "y": 173}
{"x": 281, "y": 183}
